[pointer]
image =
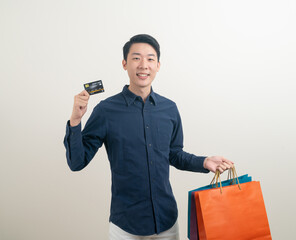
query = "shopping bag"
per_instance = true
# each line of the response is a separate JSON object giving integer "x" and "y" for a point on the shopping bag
{"x": 192, "y": 232}
{"x": 234, "y": 212}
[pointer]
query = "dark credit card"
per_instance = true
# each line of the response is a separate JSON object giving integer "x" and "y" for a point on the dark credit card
{"x": 94, "y": 87}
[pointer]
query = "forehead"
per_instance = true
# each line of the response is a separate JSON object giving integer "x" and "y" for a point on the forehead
{"x": 142, "y": 48}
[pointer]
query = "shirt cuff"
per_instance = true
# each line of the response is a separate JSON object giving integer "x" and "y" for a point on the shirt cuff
{"x": 73, "y": 130}
{"x": 200, "y": 161}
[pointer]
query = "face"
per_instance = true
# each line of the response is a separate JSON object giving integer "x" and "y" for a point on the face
{"x": 142, "y": 65}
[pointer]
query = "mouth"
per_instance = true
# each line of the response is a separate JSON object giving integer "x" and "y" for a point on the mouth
{"x": 143, "y": 76}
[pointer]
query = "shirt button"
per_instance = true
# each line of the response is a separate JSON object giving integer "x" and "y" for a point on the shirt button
{"x": 149, "y": 144}
{"x": 147, "y": 126}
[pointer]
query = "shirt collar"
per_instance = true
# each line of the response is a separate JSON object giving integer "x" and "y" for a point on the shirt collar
{"x": 130, "y": 97}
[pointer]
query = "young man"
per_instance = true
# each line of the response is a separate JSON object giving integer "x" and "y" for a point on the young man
{"x": 142, "y": 134}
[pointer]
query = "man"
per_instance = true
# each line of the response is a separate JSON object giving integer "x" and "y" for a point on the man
{"x": 142, "y": 134}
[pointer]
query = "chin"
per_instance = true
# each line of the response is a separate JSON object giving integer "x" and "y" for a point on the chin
{"x": 142, "y": 83}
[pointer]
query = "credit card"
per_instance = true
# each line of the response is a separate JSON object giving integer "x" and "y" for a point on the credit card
{"x": 94, "y": 87}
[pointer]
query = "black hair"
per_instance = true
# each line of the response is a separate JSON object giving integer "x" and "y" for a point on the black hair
{"x": 141, "y": 38}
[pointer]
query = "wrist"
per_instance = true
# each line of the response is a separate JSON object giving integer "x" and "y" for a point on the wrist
{"x": 74, "y": 122}
{"x": 205, "y": 162}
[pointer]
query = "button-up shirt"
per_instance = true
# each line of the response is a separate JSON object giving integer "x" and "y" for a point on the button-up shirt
{"x": 142, "y": 140}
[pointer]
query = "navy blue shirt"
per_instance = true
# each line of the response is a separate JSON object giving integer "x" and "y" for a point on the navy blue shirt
{"x": 142, "y": 140}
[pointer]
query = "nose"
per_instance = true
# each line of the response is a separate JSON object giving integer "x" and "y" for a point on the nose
{"x": 143, "y": 64}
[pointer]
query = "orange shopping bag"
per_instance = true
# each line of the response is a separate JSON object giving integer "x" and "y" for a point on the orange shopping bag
{"x": 235, "y": 212}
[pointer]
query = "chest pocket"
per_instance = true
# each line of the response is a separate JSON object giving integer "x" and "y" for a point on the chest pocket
{"x": 164, "y": 135}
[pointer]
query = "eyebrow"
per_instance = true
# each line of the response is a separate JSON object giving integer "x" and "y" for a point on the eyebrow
{"x": 151, "y": 54}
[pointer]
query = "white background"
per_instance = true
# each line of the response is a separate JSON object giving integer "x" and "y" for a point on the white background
{"x": 229, "y": 66}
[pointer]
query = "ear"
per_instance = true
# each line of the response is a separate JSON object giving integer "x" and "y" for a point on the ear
{"x": 158, "y": 66}
{"x": 124, "y": 64}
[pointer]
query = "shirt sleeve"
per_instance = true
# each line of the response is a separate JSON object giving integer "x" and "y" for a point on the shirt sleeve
{"x": 82, "y": 146}
{"x": 179, "y": 158}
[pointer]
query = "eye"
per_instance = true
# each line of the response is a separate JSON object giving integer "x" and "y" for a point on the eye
{"x": 151, "y": 59}
{"x": 136, "y": 58}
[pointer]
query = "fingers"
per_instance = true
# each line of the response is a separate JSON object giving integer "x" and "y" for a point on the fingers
{"x": 79, "y": 107}
{"x": 81, "y": 99}
{"x": 80, "y": 102}
{"x": 220, "y": 169}
{"x": 84, "y": 95}
{"x": 226, "y": 164}
{"x": 226, "y": 160}
{"x": 215, "y": 163}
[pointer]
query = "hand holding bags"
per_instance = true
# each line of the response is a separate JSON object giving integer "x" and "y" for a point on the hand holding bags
{"x": 234, "y": 212}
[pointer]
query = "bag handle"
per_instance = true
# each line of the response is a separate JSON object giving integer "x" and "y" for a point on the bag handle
{"x": 232, "y": 175}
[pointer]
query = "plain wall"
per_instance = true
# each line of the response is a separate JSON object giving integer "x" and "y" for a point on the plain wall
{"x": 229, "y": 66}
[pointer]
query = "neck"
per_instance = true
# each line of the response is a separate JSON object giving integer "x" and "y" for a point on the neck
{"x": 142, "y": 92}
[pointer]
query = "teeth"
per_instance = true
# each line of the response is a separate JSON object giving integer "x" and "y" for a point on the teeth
{"x": 142, "y": 75}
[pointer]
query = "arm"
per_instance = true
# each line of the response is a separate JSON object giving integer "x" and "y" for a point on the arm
{"x": 179, "y": 158}
{"x": 82, "y": 146}
{"x": 185, "y": 161}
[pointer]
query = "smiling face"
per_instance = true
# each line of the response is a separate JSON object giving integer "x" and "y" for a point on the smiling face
{"x": 142, "y": 65}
